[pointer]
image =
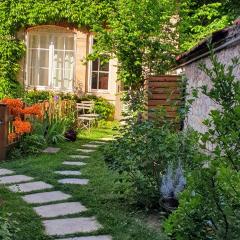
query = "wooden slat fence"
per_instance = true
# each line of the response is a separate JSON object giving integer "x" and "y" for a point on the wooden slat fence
{"x": 163, "y": 91}
{"x": 55, "y": 109}
{"x": 6, "y": 129}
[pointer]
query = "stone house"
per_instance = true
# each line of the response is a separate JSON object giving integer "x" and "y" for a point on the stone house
{"x": 56, "y": 60}
{"x": 226, "y": 45}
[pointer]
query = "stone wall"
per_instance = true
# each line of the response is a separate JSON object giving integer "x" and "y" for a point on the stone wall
{"x": 196, "y": 78}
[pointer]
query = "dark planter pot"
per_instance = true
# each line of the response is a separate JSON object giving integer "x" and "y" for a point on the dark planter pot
{"x": 71, "y": 135}
{"x": 169, "y": 204}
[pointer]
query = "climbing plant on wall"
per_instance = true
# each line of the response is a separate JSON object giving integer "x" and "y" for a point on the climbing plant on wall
{"x": 137, "y": 32}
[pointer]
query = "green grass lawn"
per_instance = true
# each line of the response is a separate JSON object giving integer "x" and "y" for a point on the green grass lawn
{"x": 118, "y": 219}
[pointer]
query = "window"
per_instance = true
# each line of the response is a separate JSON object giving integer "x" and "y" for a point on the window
{"x": 99, "y": 73}
{"x": 51, "y": 60}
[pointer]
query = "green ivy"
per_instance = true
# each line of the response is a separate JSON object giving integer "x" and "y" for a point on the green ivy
{"x": 134, "y": 37}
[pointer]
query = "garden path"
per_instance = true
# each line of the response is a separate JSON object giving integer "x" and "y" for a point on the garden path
{"x": 56, "y": 207}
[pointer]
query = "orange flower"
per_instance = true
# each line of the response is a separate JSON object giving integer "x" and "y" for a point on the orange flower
{"x": 35, "y": 109}
{"x": 15, "y": 106}
{"x": 21, "y": 127}
{"x": 12, "y": 137}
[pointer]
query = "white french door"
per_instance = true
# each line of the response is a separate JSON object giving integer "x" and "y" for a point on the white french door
{"x": 50, "y": 60}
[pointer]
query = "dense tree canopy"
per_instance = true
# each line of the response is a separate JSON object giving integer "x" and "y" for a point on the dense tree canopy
{"x": 200, "y": 18}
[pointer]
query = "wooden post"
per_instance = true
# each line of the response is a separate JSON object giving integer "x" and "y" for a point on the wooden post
{"x": 3, "y": 131}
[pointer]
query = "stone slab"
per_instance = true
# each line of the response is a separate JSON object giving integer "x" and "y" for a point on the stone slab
{"x": 74, "y": 163}
{"x": 60, "y": 209}
{"x": 46, "y": 197}
{"x": 30, "y": 187}
{"x": 79, "y": 156}
{"x": 86, "y": 150}
{"x": 4, "y": 171}
{"x": 106, "y": 139}
{"x": 60, "y": 227}
{"x": 15, "y": 179}
{"x": 76, "y": 181}
{"x": 51, "y": 150}
{"x": 90, "y": 145}
{"x": 68, "y": 173}
{"x": 105, "y": 237}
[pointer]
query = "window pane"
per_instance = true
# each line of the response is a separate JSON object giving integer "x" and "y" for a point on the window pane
{"x": 68, "y": 74}
{"x": 67, "y": 83}
{"x": 44, "y": 58}
{"x": 33, "y": 41}
{"x": 33, "y": 76}
{"x": 44, "y": 41}
{"x": 33, "y": 58}
{"x": 103, "y": 81}
{"x": 57, "y": 77}
{"x": 104, "y": 66}
{"x": 58, "y": 59}
{"x": 95, "y": 64}
{"x": 59, "y": 43}
{"x": 43, "y": 77}
{"x": 69, "y": 43}
{"x": 69, "y": 59}
{"x": 94, "y": 80}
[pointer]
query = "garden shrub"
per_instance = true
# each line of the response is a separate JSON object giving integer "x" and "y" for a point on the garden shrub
{"x": 209, "y": 207}
{"x": 141, "y": 155}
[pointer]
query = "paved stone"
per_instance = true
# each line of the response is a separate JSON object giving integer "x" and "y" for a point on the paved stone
{"x": 51, "y": 150}
{"x": 66, "y": 226}
{"x": 15, "y": 179}
{"x": 4, "y": 171}
{"x": 99, "y": 142}
{"x": 76, "y": 181}
{"x": 86, "y": 150}
{"x": 67, "y": 173}
{"x": 46, "y": 197}
{"x": 79, "y": 156}
{"x": 107, "y": 139}
{"x": 90, "y": 145}
{"x": 89, "y": 238}
{"x": 74, "y": 163}
{"x": 30, "y": 187}
{"x": 60, "y": 209}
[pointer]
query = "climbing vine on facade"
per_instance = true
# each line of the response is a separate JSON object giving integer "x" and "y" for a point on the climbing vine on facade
{"x": 132, "y": 31}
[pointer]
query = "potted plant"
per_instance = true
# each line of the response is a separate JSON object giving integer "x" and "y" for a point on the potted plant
{"x": 173, "y": 182}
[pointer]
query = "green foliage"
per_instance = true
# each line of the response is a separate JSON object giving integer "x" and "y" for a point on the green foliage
{"x": 201, "y": 18}
{"x": 8, "y": 228}
{"x": 209, "y": 208}
{"x": 136, "y": 36}
{"x": 141, "y": 155}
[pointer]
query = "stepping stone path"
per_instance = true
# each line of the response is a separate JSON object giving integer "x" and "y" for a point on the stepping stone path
{"x": 30, "y": 187}
{"x": 15, "y": 179}
{"x": 67, "y": 173}
{"x": 74, "y": 163}
{"x": 65, "y": 225}
{"x": 60, "y": 227}
{"x": 76, "y": 181}
{"x": 45, "y": 197}
{"x": 86, "y": 150}
{"x": 60, "y": 209}
{"x": 51, "y": 150}
{"x": 5, "y": 172}
{"x": 89, "y": 238}
{"x": 79, "y": 156}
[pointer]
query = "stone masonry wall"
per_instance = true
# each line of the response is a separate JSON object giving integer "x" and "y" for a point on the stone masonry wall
{"x": 201, "y": 108}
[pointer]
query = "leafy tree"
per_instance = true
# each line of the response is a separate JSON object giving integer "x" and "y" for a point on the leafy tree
{"x": 201, "y": 18}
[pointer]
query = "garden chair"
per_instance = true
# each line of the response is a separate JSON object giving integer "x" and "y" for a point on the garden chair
{"x": 86, "y": 114}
